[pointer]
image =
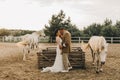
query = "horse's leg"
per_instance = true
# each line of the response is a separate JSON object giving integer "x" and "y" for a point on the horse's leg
{"x": 31, "y": 46}
{"x": 93, "y": 56}
{"x": 98, "y": 62}
{"x": 36, "y": 45}
{"x": 28, "y": 51}
{"x": 24, "y": 55}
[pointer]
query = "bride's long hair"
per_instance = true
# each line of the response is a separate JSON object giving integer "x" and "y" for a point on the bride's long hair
{"x": 58, "y": 33}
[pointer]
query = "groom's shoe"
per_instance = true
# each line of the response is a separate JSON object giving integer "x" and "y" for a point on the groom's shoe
{"x": 65, "y": 71}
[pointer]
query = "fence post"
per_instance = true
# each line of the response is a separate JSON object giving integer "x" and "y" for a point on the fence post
{"x": 111, "y": 39}
{"x": 79, "y": 39}
{"x": 3, "y": 39}
{"x": 51, "y": 39}
{"x": 119, "y": 39}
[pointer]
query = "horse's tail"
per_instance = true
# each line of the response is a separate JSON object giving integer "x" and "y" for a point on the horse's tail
{"x": 85, "y": 46}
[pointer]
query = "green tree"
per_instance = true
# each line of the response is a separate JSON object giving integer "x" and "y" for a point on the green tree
{"x": 107, "y": 22}
{"x": 58, "y": 21}
{"x": 109, "y": 31}
{"x": 94, "y": 29}
{"x": 117, "y": 25}
{"x": 4, "y": 32}
{"x": 55, "y": 23}
{"x": 23, "y": 32}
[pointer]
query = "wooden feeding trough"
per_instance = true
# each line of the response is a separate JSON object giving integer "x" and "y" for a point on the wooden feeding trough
{"x": 47, "y": 57}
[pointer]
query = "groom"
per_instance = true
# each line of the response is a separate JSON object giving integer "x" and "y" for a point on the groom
{"x": 66, "y": 48}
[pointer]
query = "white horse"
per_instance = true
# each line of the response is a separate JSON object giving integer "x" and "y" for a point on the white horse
{"x": 98, "y": 47}
{"x": 35, "y": 38}
{"x": 30, "y": 41}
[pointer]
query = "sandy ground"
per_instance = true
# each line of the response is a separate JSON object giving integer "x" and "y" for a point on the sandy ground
{"x": 13, "y": 68}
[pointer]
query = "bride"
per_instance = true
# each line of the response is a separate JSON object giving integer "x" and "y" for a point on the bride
{"x": 58, "y": 64}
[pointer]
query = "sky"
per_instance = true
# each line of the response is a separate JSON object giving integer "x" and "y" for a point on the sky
{"x": 34, "y": 14}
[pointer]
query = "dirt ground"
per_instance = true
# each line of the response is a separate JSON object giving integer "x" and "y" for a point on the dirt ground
{"x": 13, "y": 68}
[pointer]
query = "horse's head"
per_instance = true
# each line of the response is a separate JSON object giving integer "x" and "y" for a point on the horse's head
{"x": 41, "y": 33}
{"x": 106, "y": 48}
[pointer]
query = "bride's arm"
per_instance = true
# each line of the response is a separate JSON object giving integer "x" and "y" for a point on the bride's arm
{"x": 58, "y": 42}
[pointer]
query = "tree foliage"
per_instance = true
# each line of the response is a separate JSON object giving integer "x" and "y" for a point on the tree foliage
{"x": 94, "y": 29}
{"x": 109, "y": 31}
{"x": 6, "y": 32}
{"x": 58, "y": 21}
{"x": 106, "y": 29}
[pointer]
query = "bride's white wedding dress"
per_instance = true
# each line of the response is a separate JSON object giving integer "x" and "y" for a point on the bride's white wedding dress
{"x": 58, "y": 64}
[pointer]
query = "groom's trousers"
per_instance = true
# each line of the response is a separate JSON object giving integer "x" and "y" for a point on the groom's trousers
{"x": 66, "y": 62}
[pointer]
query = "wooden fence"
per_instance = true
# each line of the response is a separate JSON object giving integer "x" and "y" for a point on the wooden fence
{"x": 51, "y": 40}
{"x": 85, "y": 39}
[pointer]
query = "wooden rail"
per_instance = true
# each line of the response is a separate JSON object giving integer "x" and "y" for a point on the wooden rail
{"x": 74, "y": 39}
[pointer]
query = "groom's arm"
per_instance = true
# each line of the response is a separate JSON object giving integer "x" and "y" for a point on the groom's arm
{"x": 67, "y": 39}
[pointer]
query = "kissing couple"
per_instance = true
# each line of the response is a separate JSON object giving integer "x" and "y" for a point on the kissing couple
{"x": 61, "y": 64}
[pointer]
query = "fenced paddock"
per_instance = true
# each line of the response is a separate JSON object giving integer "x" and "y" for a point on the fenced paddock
{"x": 51, "y": 40}
{"x": 14, "y": 39}
{"x": 28, "y": 70}
{"x": 85, "y": 39}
